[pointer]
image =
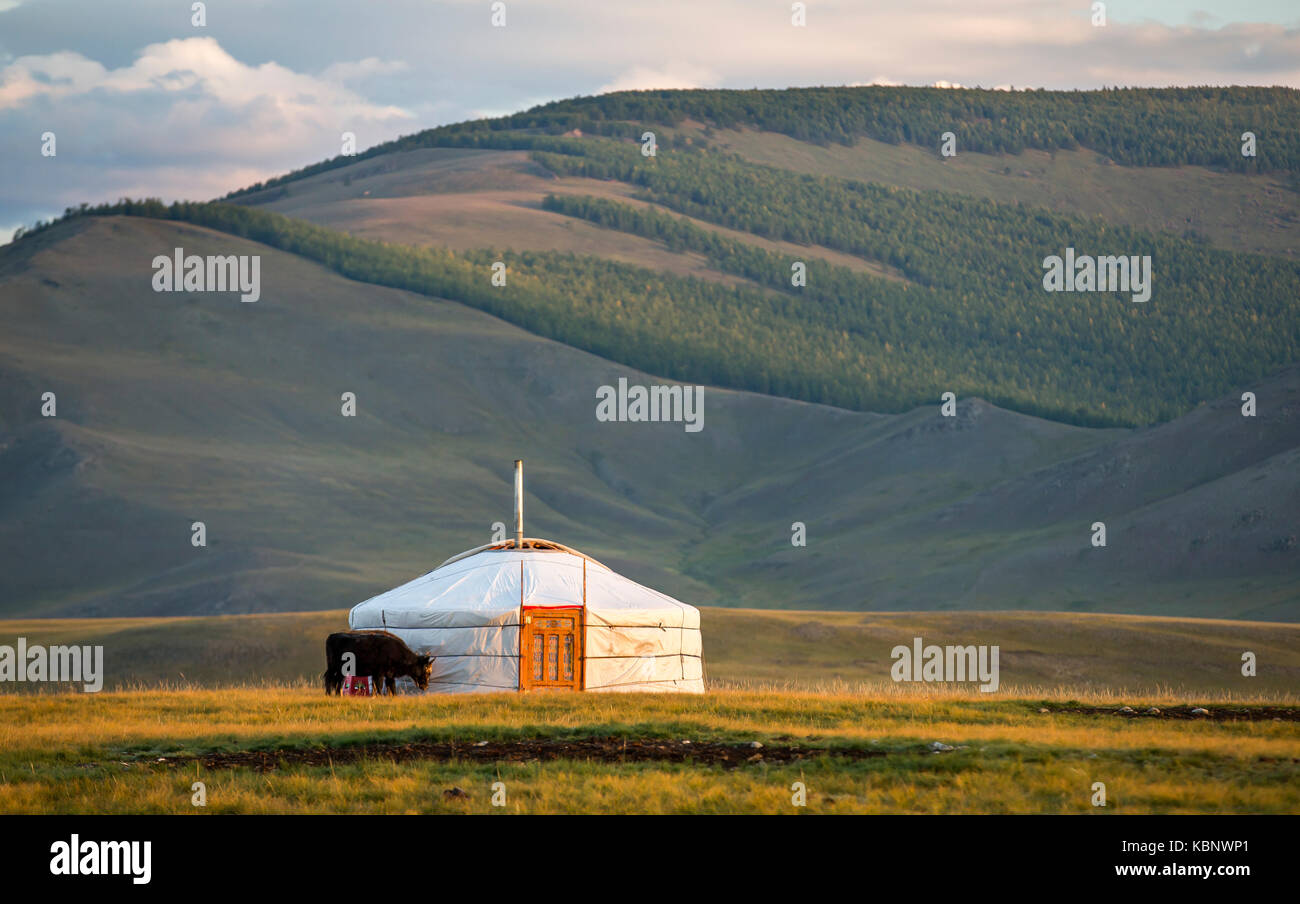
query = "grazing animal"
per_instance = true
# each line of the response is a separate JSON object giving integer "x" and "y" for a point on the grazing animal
{"x": 382, "y": 656}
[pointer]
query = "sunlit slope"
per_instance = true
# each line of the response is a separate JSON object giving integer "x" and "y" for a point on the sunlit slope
{"x": 176, "y": 408}
{"x": 467, "y": 199}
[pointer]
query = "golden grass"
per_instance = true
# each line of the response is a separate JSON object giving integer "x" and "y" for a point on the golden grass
{"x": 807, "y": 678}
{"x": 383, "y": 788}
{"x": 98, "y": 753}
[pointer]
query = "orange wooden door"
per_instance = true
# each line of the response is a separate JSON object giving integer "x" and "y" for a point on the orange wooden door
{"x": 550, "y": 650}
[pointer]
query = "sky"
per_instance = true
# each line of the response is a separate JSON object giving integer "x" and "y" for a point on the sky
{"x": 144, "y": 103}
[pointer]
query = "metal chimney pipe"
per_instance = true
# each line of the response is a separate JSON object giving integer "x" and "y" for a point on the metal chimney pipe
{"x": 519, "y": 503}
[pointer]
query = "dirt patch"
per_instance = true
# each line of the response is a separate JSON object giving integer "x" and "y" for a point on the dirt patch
{"x": 1190, "y": 713}
{"x": 604, "y": 750}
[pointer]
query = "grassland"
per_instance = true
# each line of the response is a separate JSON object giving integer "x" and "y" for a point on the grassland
{"x": 142, "y": 751}
{"x": 1097, "y": 656}
{"x": 232, "y": 702}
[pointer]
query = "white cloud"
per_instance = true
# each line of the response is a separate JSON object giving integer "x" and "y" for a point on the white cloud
{"x": 675, "y": 74}
{"x": 54, "y": 75}
{"x": 196, "y": 71}
{"x": 184, "y": 120}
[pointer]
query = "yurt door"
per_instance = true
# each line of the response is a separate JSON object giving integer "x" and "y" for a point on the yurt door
{"x": 550, "y": 650}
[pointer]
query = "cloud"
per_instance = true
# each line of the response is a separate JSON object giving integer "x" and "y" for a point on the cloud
{"x": 362, "y": 69}
{"x": 675, "y": 74}
{"x": 184, "y": 120}
{"x": 196, "y": 72}
{"x": 53, "y": 76}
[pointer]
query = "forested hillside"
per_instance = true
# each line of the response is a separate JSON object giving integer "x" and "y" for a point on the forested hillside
{"x": 971, "y": 318}
{"x": 952, "y": 300}
{"x": 1134, "y": 126}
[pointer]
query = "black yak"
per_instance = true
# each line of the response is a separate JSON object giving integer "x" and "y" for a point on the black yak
{"x": 382, "y": 656}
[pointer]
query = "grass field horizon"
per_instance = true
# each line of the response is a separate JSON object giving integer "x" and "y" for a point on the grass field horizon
{"x": 799, "y": 707}
{"x": 1042, "y": 654}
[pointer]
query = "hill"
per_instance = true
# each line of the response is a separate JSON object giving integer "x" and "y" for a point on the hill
{"x": 924, "y": 272}
{"x": 1165, "y": 160}
{"x": 181, "y": 408}
{"x": 1136, "y": 126}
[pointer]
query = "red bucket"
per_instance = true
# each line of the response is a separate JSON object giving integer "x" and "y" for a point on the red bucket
{"x": 358, "y": 686}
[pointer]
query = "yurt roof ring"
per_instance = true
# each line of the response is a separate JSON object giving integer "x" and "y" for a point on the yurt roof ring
{"x": 533, "y": 543}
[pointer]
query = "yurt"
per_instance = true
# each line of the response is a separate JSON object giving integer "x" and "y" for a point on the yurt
{"x": 528, "y": 614}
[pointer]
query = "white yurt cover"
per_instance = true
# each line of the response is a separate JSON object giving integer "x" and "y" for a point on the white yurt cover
{"x": 467, "y": 613}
